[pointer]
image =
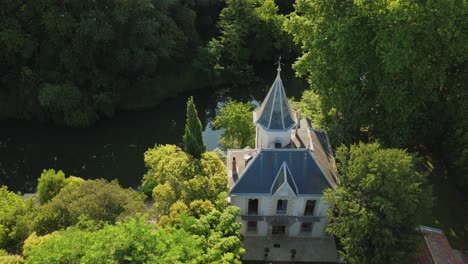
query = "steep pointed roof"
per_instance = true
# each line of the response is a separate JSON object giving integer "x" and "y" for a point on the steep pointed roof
{"x": 274, "y": 113}
{"x": 283, "y": 177}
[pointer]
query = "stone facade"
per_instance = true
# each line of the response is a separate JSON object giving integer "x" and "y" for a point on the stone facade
{"x": 278, "y": 186}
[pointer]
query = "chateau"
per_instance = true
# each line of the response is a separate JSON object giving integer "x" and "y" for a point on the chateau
{"x": 278, "y": 186}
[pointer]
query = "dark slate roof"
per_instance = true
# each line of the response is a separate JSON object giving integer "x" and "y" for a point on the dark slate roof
{"x": 274, "y": 113}
{"x": 260, "y": 174}
{"x": 284, "y": 177}
{"x": 323, "y": 154}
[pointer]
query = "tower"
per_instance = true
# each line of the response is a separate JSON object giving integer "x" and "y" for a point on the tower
{"x": 274, "y": 120}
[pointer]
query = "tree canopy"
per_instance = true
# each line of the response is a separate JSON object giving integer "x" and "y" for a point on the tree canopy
{"x": 380, "y": 201}
{"x": 97, "y": 200}
{"x": 132, "y": 241}
{"x": 175, "y": 175}
{"x": 15, "y": 219}
{"x": 250, "y": 31}
{"x": 214, "y": 238}
{"x": 381, "y": 64}
{"x": 310, "y": 107}
{"x": 236, "y": 120}
{"x": 74, "y": 62}
{"x": 193, "y": 140}
{"x": 49, "y": 184}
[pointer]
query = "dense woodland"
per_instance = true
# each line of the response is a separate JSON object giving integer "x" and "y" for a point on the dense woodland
{"x": 393, "y": 72}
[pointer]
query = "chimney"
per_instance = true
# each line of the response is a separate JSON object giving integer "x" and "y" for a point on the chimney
{"x": 298, "y": 117}
{"x": 234, "y": 166}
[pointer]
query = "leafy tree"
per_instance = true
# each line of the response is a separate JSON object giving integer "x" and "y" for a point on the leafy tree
{"x": 73, "y": 180}
{"x": 193, "y": 140}
{"x": 310, "y": 107}
{"x": 178, "y": 176}
{"x": 49, "y": 184}
{"x": 379, "y": 63}
{"x": 236, "y": 120}
{"x": 15, "y": 219}
{"x": 381, "y": 200}
{"x": 199, "y": 208}
{"x": 74, "y": 62}
{"x": 164, "y": 196}
{"x": 250, "y": 31}
{"x": 388, "y": 70}
{"x": 6, "y": 258}
{"x": 218, "y": 230}
{"x": 167, "y": 163}
{"x": 136, "y": 241}
{"x": 97, "y": 200}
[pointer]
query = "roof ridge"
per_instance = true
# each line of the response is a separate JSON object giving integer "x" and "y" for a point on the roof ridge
{"x": 284, "y": 172}
{"x": 275, "y": 112}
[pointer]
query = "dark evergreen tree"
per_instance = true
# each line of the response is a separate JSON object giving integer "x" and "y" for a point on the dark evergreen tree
{"x": 193, "y": 141}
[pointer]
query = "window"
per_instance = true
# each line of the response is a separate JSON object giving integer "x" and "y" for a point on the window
{"x": 253, "y": 207}
{"x": 278, "y": 230}
{"x": 251, "y": 226}
{"x": 310, "y": 207}
{"x": 306, "y": 227}
{"x": 277, "y": 144}
{"x": 281, "y": 206}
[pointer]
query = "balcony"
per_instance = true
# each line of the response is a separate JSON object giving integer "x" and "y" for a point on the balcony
{"x": 281, "y": 211}
{"x": 282, "y": 217}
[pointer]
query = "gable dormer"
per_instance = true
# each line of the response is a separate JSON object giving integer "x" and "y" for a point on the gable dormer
{"x": 284, "y": 184}
{"x": 274, "y": 119}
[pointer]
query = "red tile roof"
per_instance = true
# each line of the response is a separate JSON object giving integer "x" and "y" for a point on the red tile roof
{"x": 434, "y": 248}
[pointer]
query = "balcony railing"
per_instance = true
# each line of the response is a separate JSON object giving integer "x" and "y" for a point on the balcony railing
{"x": 289, "y": 218}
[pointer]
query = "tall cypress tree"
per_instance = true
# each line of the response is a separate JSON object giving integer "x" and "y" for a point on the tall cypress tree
{"x": 193, "y": 141}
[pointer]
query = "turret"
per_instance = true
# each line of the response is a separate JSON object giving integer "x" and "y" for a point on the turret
{"x": 274, "y": 120}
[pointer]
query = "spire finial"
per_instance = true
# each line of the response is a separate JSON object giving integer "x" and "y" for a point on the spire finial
{"x": 279, "y": 64}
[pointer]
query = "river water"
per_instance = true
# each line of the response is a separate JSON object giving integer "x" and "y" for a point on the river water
{"x": 113, "y": 148}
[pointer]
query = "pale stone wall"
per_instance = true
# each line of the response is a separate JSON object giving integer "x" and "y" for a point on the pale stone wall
{"x": 296, "y": 206}
{"x": 267, "y": 139}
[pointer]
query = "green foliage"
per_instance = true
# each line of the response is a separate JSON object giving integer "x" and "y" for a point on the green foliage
{"x": 250, "y": 31}
{"x": 73, "y": 180}
{"x": 49, "y": 184}
{"x": 220, "y": 153}
{"x": 178, "y": 176}
{"x": 380, "y": 64}
{"x": 388, "y": 70}
{"x": 97, "y": 200}
{"x": 72, "y": 62}
{"x": 218, "y": 231}
{"x": 193, "y": 140}
{"x": 15, "y": 219}
{"x": 164, "y": 196}
{"x": 167, "y": 163}
{"x": 199, "y": 208}
{"x": 236, "y": 120}
{"x": 310, "y": 107}
{"x": 11, "y": 259}
{"x": 137, "y": 241}
{"x": 381, "y": 200}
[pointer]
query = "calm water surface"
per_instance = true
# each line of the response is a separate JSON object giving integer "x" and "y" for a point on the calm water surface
{"x": 113, "y": 149}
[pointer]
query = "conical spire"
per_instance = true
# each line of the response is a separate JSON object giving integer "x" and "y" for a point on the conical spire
{"x": 274, "y": 113}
